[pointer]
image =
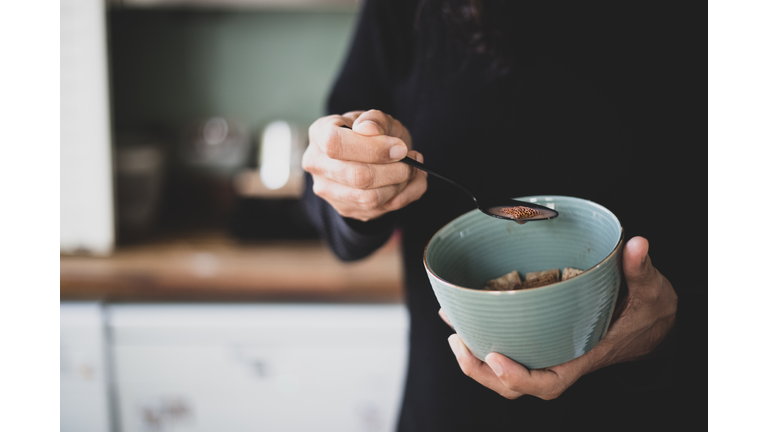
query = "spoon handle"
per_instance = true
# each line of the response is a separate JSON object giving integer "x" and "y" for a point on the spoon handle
{"x": 431, "y": 171}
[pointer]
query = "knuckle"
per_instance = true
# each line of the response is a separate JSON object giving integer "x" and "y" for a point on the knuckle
{"x": 470, "y": 372}
{"x": 658, "y": 291}
{"x": 330, "y": 142}
{"x": 333, "y": 119}
{"x": 346, "y": 213}
{"x": 421, "y": 187}
{"x": 362, "y": 217}
{"x": 351, "y": 214}
{"x": 670, "y": 303}
{"x": 366, "y": 199}
{"x": 322, "y": 122}
{"x": 308, "y": 163}
{"x": 406, "y": 173}
{"x": 510, "y": 394}
{"x": 313, "y": 128}
{"x": 652, "y": 295}
{"x": 361, "y": 177}
{"x": 395, "y": 123}
{"x": 377, "y": 114}
{"x": 398, "y": 202}
{"x": 319, "y": 189}
{"x": 673, "y": 301}
{"x": 377, "y": 117}
{"x": 554, "y": 394}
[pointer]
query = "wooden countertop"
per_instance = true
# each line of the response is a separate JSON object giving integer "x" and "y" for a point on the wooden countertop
{"x": 211, "y": 267}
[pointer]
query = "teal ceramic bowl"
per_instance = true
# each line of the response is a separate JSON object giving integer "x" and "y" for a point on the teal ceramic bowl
{"x": 536, "y": 327}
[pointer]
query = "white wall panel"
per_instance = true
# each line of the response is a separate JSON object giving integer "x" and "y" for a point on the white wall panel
{"x": 86, "y": 213}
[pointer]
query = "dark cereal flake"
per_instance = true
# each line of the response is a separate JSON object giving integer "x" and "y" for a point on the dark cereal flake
{"x": 520, "y": 212}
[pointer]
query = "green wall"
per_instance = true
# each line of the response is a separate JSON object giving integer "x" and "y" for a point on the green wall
{"x": 169, "y": 68}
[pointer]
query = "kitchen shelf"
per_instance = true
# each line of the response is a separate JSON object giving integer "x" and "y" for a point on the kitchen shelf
{"x": 213, "y": 267}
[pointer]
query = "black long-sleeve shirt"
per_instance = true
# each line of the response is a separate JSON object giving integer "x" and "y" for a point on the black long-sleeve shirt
{"x": 598, "y": 104}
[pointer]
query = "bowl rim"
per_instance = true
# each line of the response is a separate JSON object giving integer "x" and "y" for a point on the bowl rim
{"x": 519, "y": 292}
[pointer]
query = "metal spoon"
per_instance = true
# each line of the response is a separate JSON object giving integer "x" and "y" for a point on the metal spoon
{"x": 498, "y": 207}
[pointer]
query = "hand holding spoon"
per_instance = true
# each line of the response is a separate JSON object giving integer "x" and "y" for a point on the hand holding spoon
{"x": 498, "y": 207}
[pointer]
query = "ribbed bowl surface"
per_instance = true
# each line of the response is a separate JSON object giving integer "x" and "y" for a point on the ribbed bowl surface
{"x": 537, "y": 327}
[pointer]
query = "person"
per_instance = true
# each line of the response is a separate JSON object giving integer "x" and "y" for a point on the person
{"x": 519, "y": 98}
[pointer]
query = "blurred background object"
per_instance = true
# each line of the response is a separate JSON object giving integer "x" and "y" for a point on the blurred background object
{"x": 279, "y": 162}
{"x": 218, "y": 85}
{"x": 213, "y": 304}
{"x": 269, "y": 203}
{"x": 139, "y": 172}
{"x": 204, "y": 83}
{"x": 216, "y": 144}
{"x": 86, "y": 209}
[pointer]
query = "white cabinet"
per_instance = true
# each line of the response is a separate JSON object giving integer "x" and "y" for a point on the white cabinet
{"x": 84, "y": 370}
{"x": 258, "y": 367}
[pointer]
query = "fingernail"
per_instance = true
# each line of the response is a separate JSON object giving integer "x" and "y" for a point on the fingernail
{"x": 454, "y": 344}
{"x": 398, "y": 152}
{"x": 493, "y": 363}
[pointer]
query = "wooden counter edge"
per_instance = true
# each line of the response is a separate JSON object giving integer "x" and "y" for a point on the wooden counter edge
{"x": 137, "y": 276}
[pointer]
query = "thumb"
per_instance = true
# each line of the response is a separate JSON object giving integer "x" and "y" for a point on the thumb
{"x": 368, "y": 128}
{"x": 372, "y": 123}
{"x": 636, "y": 262}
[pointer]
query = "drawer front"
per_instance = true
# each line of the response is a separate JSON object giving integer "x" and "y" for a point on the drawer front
{"x": 259, "y": 367}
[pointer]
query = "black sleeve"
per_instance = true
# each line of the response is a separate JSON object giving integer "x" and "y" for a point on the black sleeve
{"x": 349, "y": 239}
{"x": 365, "y": 82}
{"x": 378, "y": 57}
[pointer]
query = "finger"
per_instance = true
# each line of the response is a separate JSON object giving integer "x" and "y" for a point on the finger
{"x": 355, "y": 174}
{"x": 414, "y": 189}
{"x": 636, "y": 262}
{"x": 442, "y": 314}
{"x": 346, "y": 119}
{"x": 478, "y": 370}
{"x": 313, "y": 160}
{"x": 368, "y": 204}
{"x": 351, "y": 117}
{"x": 348, "y": 200}
{"x": 348, "y": 145}
{"x": 644, "y": 282}
{"x": 542, "y": 383}
{"x": 648, "y": 291}
{"x": 375, "y": 122}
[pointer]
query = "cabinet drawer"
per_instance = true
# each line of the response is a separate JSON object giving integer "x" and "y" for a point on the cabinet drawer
{"x": 258, "y": 367}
